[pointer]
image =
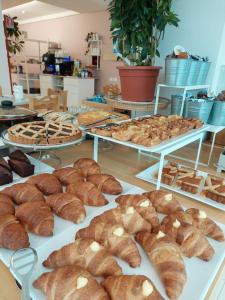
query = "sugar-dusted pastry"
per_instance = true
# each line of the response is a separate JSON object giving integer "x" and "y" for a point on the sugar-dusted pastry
{"x": 36, "y": 217}
{"x": 72, "y": 283}
{"x": 142, "y": 205}
{"x": 68, "y": 175}
{"x": 131, "y": 220}
{"x": 131, "y": 287}
{"x": 6, "y": 205}
{"x": 47, "y": 183}
{"x": 166, "y": 257}
{"x": 163, "y": 201}
{"x": 13, "y": 236}
{"x": 24, "y": 192}
{"x": 191, "y": 240}
{"x": 106, "y": 183}
{"x": 115, "y": 239}
{"x": 182, "y": 216}
{"x": 85, "y": 253}
{"x": 88, "y": 193}
{"x": 67, "y": 206}
{"x": 87, "y": 166}
{"x": 207, "y": 226}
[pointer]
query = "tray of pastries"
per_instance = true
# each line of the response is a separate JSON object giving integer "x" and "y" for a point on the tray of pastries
{"x": 199, "y": 185}
{"x": 148, "y": 131}
{"x": 43, "y": 133}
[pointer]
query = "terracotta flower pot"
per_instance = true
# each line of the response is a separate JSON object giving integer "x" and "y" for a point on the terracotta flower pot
{"x": 138, "y": 83}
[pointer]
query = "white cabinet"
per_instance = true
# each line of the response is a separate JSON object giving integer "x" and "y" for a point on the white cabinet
{"x": 78, "y": 88}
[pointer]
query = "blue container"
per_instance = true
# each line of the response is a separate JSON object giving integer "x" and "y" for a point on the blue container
{"x": 193, "y": 72}
{"x": 177, "y": 71}
{"x": 217, "y": 116}
{"x": 199, "y": 108}
{"x": 203, "y": 72}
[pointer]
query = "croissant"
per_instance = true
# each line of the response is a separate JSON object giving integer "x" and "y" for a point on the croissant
{"x": 192, "y": 242}
{"x": 182, "y": 216}
{"x": 67, "y": 206}
{"x": 87, "y": 193}
{"x": 115, "y": 239}
{"x": 23, "y": 192}
{"x": 37, "y": 217}
{"x": 131, "y": 220}
{"x": 13, "y": 236}
{"x": 166, "y": 257}
{"x": 87, "y": 166}
{"x": 47, "y": 183}
{"x": 163, "y": 201}
{"x": 207, "y": 226}
{"x": 72, "y": 283}
{"x": 85, "y": 253}
{"x": 131, "y": 287}
{"x": 68, "y": 175}
{"x": 142, "y": 205}
{"x": 106, "y": 183}
{"x": 6, "y": 205}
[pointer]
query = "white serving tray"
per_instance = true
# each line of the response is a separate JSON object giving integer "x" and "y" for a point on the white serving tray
{"x": 149, "y": 175}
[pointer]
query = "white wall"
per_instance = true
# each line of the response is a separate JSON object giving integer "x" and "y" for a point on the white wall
{"x": 200, "y": 31}
{"x": 4, "y": 70}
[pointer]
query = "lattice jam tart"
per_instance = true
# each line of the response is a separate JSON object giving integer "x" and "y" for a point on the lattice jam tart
{"x": 43, "y": 133}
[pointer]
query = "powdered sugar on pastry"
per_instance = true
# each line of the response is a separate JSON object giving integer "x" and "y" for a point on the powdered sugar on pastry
{"x": 176, "y": 224}
{"x": 118, "y": 231}
{"x": 147, "y": 288}
{"x": 130, "y": 210}
{"x": 168, "y": 197}
{"x": 202, "y": 214}
{"x": 160, "y": 235}
{"x": 145, "y": 203}
{"x": 95, "y": 247}
{"x": 81, "y": 282}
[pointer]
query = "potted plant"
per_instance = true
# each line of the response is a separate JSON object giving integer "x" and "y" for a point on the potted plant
{"x": 137, "y": 29}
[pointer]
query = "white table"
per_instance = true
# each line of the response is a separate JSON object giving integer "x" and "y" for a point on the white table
{"x": 162, "y": 149}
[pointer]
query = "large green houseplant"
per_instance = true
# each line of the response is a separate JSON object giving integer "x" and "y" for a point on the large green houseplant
{"x": 137, "y": 26}
{"x": 15, "y": 38}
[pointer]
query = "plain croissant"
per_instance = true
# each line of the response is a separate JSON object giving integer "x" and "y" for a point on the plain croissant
{"x": 142, "y": 205}
{"x": 23, "y": 192}
{"x": 115, "y": 239}
{"x": 164, "y": 202}
{"x": 87, "y": 193}
{"x": 131, "y": 287}
{"x": 47, "y": 183}
{"x": 72, "y": 283}
{"x": 67, "y": 206}
{"x": 106, "y": 183}
{"x": 85, "y": 253}
{"x": 68, "y": 175}
{"x": 87, "y": 166}
{"x": 13, "y": 236}
{"x": 166, "y": 257}
{"x": 36, "y": 217}
{"x": 131, "y": 220}
{"x": 6, "y": 205}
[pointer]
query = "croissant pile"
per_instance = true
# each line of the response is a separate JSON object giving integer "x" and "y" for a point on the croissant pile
{"x": 149, "y": 131}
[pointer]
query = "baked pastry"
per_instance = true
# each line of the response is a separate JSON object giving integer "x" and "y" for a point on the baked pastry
{"x": 6, "y": 205}
{"x": 131, "y": 287}
{"x": 70, "y": 282}
{"x": 5, "y": 172}
{"x": 215, "y": 189}
{"x": 37, "y": 217}
{"x": 182, "y": 216}
{"x": 41, "y": 132}
{"x": 87, "y": 166}
{"x": 23, "y": 192}
{"x": 191, "y": 240}
{"x": 163, "y": 201}
{"x": 88, "y": 193}
{"x": 207, "y": 226}
{"x": 106, "y": 183}
{"x": 142, "y": 205}
{"x": 68, "y": 175}
{"x": 191, "y": 184}
{"x": 131, "y": 220}
{"x": 47, "y": 183}
{"x": 85, "y": 253}
{"x": 166, "y": 257}
{"x": 115, "y": 239}
{"x": 13, "y": 236}
{"x": 173, "y": 171}
{"x": 67, "y": 206}
{"x": 20, "y": 164}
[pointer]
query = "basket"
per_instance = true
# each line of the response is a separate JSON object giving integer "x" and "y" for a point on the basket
{"x": 177, "y": 71}
{"x": 193, "y": 72}
{"x": 199, "y": 108}
{"x": 203, "y": 72}
{"x": 217, "y": 116}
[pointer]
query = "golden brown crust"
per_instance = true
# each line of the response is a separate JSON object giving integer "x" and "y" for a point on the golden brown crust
{"x": 6, "y": 205}
{"x": 87, "y": 166}
{"x": 68, "y": 175}
{"x": 106, "y": 183}
{"x": 47, "y": 183}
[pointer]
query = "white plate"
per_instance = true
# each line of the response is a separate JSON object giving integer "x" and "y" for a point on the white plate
{"x": 150, "y": 173}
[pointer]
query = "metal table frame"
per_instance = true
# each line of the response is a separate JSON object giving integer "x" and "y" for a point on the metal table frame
{"x": 162, "y": 149}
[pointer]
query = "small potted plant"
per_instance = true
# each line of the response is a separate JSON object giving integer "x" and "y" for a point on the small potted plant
{"x": 137, "y": 27}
